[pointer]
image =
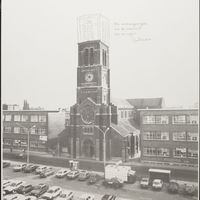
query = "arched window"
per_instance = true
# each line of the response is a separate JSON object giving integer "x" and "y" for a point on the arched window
{"x": 91, "y": 56}
{"x": 125, "y": 114}
{"x": 103, "y": 57}
{"x": 86, "y": 55}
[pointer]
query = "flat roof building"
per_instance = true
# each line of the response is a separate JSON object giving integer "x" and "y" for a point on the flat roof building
{"x": 40, "y": 124}
{"x": 169, "y": 135}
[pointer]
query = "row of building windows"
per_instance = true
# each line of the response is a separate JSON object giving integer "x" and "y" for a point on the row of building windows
{"x": 25, "y": 118}
{"x": 177, "y": 136}
{"x": 164, "y": 119}
{"x": 23, "y": 143}
{"x": 126, "y": 114}
{"x": 165, "y": 152}
{"x": 19, "y": 130}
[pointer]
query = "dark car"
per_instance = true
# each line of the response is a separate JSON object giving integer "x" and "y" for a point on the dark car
{"x": 6, "y": 164}
{"x": 24, "y": 189}
{"x": 46, "y": 173}
{"x": 39, "y": 190}
{"x": 83, "y": 175}
{"x": 108, "y": 197}
{"x": 30, "y": 168}
{"x": 173, "y": 187}
{"x": 93, "y": 179}
{"x": 114, "y": 182}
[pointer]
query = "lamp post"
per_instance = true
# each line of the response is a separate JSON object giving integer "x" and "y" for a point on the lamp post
{"x": 104, "y": 146}
{"x": 28, "y": 148}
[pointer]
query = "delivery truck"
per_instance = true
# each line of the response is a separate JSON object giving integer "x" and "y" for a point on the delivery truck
{"x": 123, "y": 173}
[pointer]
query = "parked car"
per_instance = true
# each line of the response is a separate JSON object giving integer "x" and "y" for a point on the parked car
{"x": 53, "y": 192}
{"x": 30, "y": 168}
{"x": 39, "y": 190}
{"x": 6, "y": 164}
{"x": 173, "y": 187}
{"x": 40, "y": 169}
{"x": 62, "y": 172}
{"x": 189, "y": 189}
{"x": 83, "y": 175}
{"x": 4, "y": 193}
{"x": 157, "y": 184}
{"x": 46, "y": 173}
{"x": 24, "y": 189}
{"x": 21, "y": 155}
{"x": 114, "y": 182}
{"x": 14, "y": 197}
{"x": 19, "y": 167}
{"x": 87, "y": 197}
{"x": 13, "y": 186}
{"x": 73, "y": 174}
{"x": 67, "y": 195}
{"x": 93, "y": 179}
{"x": 108, "y": 197}
{"x": 144, "y": 183}
{"x": 30, "y": 198}
{"x": 7, "y": 183}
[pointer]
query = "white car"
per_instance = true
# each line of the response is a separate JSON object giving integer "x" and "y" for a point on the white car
{"x": 41, "y": 169}
{"x": 66, "y": 195}
{"x": 144, "y": 183}
{"x": 53, "y": 192}
{"x": 14, "y": 197}
{"x": 30, "y": 198}
{"x": 62, "y": 172}
{"x": 157, "y": 184}
{"x": 73, "y": 174}
{"x": 19, "y": 167}
{"x": 13, "y": 186}
{"x": 87, "y": 197}
{"x": 7, "y": 183}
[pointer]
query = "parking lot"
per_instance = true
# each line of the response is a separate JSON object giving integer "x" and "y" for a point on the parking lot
{"x": 128, "y": 191}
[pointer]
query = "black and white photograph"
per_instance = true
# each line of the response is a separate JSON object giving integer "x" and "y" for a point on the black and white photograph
{"x": 100, "y": 100}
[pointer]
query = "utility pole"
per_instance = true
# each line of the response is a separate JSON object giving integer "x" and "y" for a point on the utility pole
{"x": 28, "y": 140}
{"x": 104, "y": 146}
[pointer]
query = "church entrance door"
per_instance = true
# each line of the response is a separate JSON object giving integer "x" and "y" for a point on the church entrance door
{"x": 88, "y": 148}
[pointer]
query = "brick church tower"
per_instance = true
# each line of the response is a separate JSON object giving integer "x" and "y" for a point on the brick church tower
{"x": 92, "y": 114}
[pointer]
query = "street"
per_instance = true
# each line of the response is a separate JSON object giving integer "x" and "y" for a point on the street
{"x": 183, "y": 174}
{"x": 129, "y": 191}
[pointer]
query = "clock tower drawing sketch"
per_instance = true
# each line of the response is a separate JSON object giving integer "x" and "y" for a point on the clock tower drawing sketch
{"x": 92, "y": 112}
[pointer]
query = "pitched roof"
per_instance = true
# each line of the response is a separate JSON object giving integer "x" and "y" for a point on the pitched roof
{"x": 124, "y": 128}
{"x": 121, "y": 103}
{"x": 146, "y": 103}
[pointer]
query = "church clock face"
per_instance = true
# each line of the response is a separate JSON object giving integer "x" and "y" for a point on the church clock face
{"x": 89, "y": 77}
{"x": 87, "y": 115}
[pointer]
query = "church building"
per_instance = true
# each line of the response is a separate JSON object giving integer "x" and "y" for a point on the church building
{"x": 94, "y": 120}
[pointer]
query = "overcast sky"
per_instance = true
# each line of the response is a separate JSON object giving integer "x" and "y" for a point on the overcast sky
{"x": 39, "y": 50}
